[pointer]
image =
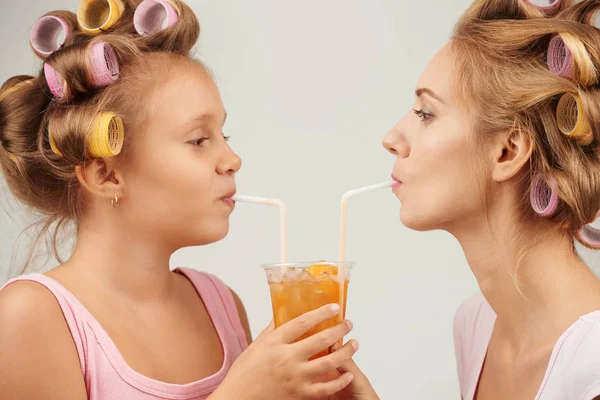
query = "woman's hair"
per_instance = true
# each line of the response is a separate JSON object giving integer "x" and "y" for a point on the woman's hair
{"x": 44, "y": 137}
{"x": 501, "y": 56}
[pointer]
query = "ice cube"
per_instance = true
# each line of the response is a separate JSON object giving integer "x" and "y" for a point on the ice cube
{"x": 291, "y": 275}
{"x": 306, "y": 276}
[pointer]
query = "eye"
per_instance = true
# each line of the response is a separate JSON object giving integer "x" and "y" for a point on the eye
{"x": 226, "y": 138}
{"x": 198, "y": 142}
{"x": 424, "y": 115}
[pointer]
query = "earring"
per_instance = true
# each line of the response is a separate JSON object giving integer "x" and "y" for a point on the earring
{"x": 114, "y": 201}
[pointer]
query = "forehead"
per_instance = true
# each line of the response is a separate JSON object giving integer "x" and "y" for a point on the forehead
{"x": 439, "y": 74}
{"x": 188, "y": 91}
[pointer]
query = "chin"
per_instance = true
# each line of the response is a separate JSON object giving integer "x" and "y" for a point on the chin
{"x": 217, "y": 232}
{"x": 417, "y": 222}
{"x": 207, "y": 234}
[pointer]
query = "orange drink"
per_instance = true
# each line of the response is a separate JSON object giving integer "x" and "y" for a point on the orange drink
{"x": 302, "y": 287}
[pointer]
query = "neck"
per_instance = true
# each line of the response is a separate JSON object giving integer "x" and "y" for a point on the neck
{"x": 123, "y": 262}
{"x": 530, "y": 275}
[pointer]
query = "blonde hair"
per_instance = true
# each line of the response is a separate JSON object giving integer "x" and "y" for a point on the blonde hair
{"x": 500, "y": 49}
{"x": 45, "y": 180}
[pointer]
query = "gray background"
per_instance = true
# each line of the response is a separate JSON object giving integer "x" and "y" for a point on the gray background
{"x": 311, "y": 87}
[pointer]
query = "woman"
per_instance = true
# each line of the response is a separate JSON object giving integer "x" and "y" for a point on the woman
{"x": 488, "y": 155}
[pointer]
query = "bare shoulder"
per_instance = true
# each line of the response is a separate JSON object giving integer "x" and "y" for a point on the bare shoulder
{"x": 243, "y": 315}
{"x": 36, "y": 342}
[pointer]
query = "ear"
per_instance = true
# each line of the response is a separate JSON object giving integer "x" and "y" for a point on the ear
{"x": 101, "y": 179}
{"x": 511, "y": 152}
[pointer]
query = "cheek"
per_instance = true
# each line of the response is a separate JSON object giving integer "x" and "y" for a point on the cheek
{"x": 164, "y": 184}
{"x": 443, "y": 183}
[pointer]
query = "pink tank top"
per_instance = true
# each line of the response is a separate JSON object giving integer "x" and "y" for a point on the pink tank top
{"x": 573, "y": 372}
{"x": 107, "y": 375}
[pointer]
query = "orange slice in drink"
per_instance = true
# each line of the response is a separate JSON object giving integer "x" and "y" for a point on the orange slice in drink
{"x": 317, "y": 270}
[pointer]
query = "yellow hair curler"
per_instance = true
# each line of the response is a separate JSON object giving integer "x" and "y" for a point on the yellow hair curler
{"x": 53, "y": 145}
{"x": 571, "y": 119}
{"x": 106, "y": 135}
{"x": 104, "y": 139}
{"x": 95, "y": 16}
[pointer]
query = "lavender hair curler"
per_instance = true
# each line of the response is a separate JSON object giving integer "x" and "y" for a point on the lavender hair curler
{"x": 559, "y": 59}
{"x": 543, "y": 197}
{"x": 55, "y": 82}
{"x": 152, "y": 16}
{"x": 44, "y": 36}
{"x": 104, "y": 66}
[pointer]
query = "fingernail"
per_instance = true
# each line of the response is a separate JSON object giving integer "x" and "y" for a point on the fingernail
{"x": 355, "y": 345}
{"x": 350, "y": 377}
{"x": 350, "y": 324}
{"x": 335, "y": 308}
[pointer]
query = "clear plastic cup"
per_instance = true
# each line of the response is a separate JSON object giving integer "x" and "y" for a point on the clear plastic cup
{"x": 297, "y": 288}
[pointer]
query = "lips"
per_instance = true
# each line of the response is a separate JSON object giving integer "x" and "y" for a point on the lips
{"x": 227, "y": 199}
{"x": 229, "y": 195}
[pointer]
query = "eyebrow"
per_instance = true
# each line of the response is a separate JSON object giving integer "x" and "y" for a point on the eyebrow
{"x": 421, "y": 91}
{"x": 204, "y": 118}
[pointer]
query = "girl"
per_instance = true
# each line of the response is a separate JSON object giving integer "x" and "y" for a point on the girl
{"x": 502, "y": 151}
{"x": 121, "y": 133}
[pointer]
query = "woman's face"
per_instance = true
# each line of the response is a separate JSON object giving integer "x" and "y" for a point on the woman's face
{"x": 438, "y": 165}
{"x": 181, "y": 176}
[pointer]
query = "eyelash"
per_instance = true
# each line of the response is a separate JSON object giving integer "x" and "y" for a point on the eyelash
{"x": 423, "y": 115}
{"x": 198, "y": 142}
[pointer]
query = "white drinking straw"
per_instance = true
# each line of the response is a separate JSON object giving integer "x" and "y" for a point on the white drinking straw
{"x": 282, "y": 219}
{"x": 344, "y": 224}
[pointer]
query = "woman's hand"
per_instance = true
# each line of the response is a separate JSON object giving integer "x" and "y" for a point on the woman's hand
{"x": 360, "y": 388}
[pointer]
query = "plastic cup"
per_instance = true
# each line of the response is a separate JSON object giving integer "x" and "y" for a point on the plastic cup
{"x": 297, "y": 288}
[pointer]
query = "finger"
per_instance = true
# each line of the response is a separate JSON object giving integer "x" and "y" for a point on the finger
{"x": 319, "y": 390}
{"x": 266, "y": 331}
{"x": 350, "y": 366}
{"x": 292, "y": 330}
{"x": 334, "y": 361}
{"x": 324, "y": 339}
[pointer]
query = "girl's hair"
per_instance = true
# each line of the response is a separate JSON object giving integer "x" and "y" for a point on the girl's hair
{"x": 500, "y": 49}
{"x": 43, "y": 138}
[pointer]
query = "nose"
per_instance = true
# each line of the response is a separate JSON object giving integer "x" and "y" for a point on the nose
{"x": 389, "y": 143}
{"x": 395, "y": 142}
{"x": 230, "y": 162}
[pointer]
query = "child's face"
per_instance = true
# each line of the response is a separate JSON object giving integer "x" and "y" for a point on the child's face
{"x": 181, "y": 168}
{"x": 436, "y": 157}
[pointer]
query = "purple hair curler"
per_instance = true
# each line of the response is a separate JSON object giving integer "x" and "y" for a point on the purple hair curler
{"x": 152, "y": 16}
{"x": 559, "y": 57}
{"x": 55, "y": 82}
{"x": 590, "y": 236}
{"x": 548, "y": 7}
{"x": 543, "y": 197}
{"x": 104, "y": 64}
{"x": 44, "y": 36}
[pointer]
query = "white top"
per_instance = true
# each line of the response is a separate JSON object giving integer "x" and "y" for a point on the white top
{"x": 573, "y": 372}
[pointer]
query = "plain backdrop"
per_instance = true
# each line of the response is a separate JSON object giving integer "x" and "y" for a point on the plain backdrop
{"x": 311, "y": 87}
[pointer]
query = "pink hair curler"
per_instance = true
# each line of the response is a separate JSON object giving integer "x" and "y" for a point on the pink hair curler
{"x": 152, "y": 16}
{"x": 589, "y": 236}
{"x": 55, "y": 82}
{"x": 543, "y": 197}
{"x": 548, "y": 7}
{"x": 104, "y": 64}
{"x": 560, "y": 60}
{"x": 44, "y": 36}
